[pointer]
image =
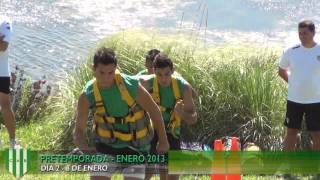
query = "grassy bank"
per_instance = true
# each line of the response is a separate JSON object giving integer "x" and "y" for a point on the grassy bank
{"x": 238, "y": 92}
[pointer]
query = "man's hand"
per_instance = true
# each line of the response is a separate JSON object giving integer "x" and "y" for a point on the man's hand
{"x": 163, "y": 146}
{"x": 283, "y": 73}
{"x": 2, "y": 37}
{"x": 179, "y": 107}
{"x": 3, "y": 44}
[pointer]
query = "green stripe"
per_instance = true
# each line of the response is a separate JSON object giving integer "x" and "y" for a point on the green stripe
{"x": 21, "y": 162}
{"x": 14, "y": 162}
{"x": 28, "y": 160}
{"x": 7, "y": 159}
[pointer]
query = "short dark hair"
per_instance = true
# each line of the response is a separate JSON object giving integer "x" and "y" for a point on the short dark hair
{"x": 151, "y": 54}
{"x": 104, "y": 56}
{"x": 307, "y": 24}
{"x": 162, "y": 61}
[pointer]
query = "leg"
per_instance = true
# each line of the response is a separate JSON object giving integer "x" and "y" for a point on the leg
{"x": 293, "y": 121}
{"x": 104, "y": 174}
{"x": 148, "y": 176}
{"x": 299, "y": 141}
{"x": 8, "y": 115}
{"x": 290, "y": 139}
{"x": 316, "y": 147}
{"x": 316, "y": 140}
{"x": 151, "y": 169}
{"x": 164, "y": 174}
{"x": 134, "y": 172}
{"x": 174, "y": 145}
{"x": 313, "y": 124}
{"x": 173, "y": 177}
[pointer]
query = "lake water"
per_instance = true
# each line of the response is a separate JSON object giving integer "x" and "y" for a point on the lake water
{"x": 52, "y": 36}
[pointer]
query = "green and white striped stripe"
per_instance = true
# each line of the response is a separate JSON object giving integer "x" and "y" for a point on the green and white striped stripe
{"x": 17, "y": 163}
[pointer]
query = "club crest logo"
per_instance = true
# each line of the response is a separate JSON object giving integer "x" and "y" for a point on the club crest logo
{"x": 17, "y": 161}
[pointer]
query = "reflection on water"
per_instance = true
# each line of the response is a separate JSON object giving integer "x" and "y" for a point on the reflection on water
{"x": 51, "y": 36}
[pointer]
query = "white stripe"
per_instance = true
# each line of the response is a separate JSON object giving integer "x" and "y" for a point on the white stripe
{"x": 25, "y": 159}
{"x": 10, "y": 161}
{"x": 18, "y": 162}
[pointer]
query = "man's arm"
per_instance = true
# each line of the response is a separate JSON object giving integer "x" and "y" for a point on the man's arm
{"x": 186, "y": 108}
{"x": 3, "y": 44}
{"x": 144, "y": 82}
{"x": 80, "y": 139}
{"x": 5, "y": 35}
{"x": 283, "y": 74}
{"x": 146, "y": 102}
{"x": 284, "y": 64}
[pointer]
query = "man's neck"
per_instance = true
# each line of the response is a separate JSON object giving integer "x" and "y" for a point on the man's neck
{"x": 109, "y": 85}
{"x": 309, "y": 45}
{"x": 150, "y": 71}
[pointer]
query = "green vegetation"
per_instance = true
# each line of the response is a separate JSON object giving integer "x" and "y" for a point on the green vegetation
{"x": 238, "y": 92}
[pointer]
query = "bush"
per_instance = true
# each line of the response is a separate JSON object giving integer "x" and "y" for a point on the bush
{"x": 28, "y": 97}
{"x": 238, "y": 90}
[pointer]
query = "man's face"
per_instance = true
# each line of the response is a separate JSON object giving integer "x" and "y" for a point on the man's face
{"x": 305, "y": 35}
{"x": 164, "y": 76}
{"x": 104, "y": 74}
{"x": 149, "y": 65}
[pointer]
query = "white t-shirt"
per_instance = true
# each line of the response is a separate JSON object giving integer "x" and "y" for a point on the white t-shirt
{"x": 303, "y": 65}
{"x": 5, "y": 30}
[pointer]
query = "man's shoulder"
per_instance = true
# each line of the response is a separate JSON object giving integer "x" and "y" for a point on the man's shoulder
{"x": 297, "y": 46}
{"x": 147, "y": 77}
{"x": 293, "y": 47}
{"x": 181, "y": 79}
{"x": 317, "y": 46}
{"x": 130, "y": 79}
{"x": 89, "y": 84}
{"x": 5, "y": 21}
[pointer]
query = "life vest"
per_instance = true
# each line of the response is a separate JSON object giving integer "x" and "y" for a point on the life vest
{"x": 138, "y": 122}
{"x": 175, "y": 119}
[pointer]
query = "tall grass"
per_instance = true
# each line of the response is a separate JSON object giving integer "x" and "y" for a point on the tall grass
{"x": 28, "y": 97}
{"x": 249, "y": 99}
{"x": 63, "y": 106}
{"x": 238, "y": 90}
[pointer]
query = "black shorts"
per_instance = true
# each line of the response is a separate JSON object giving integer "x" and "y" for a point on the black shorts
{"x": 5, "y": 85}
{"x": 296, "y": 112}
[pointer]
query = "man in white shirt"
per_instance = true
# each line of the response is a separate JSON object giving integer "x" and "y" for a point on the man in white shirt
{"x": 300, "y": 67}
{"x": 6, "y": 109}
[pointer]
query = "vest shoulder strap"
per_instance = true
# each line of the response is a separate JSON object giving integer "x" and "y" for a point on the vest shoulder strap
{"x": 123, "y": 90}
{"x": 175, "y": 87}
